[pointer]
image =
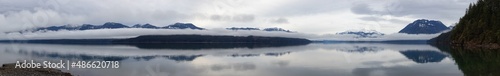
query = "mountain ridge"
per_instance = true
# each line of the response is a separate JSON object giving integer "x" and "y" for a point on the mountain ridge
{"x": 272, "y": 29}
{"x": 109, "y": 25}
{"x": 362, "y": 33}
{"x": 478, "y": 28}
{"x": 424, "y": 26}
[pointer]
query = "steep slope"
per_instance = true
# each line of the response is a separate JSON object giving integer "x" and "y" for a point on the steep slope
{"x": 480, "y": 26}
{"x": 424, "y": 26}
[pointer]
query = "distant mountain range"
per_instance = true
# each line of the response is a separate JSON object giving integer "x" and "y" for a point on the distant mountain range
{"x": 257, "y": 29}
{"x": 363, "y": 33}
{"x": 113, "y": 25}
{"x": 424, "y": 26}
{"x": 420, "y": 26}
{"x": 110, "y": 25}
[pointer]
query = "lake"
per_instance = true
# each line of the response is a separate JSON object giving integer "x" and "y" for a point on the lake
{"x": 316, "y": 59}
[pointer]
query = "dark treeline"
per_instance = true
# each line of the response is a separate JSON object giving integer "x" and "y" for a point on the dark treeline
{"x": 480, "y": 26}
{"x": 181, "y": 41}
{"x": 209, "y": 39}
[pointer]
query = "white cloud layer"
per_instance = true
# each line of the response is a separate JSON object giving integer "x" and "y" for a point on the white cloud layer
{"x": 134, "y": 32}
{"x": 307, "y": 16}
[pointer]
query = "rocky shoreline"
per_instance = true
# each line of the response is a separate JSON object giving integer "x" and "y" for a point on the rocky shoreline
{"x": 10, "y": 70}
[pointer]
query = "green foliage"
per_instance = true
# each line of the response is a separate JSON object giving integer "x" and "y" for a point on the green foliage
{"x": 480, "y": 24}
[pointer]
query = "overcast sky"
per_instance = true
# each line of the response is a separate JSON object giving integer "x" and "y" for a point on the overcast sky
{"x": 305, "y": 16}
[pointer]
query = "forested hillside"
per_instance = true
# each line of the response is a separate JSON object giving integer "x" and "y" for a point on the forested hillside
{"x": 479, "y": 26}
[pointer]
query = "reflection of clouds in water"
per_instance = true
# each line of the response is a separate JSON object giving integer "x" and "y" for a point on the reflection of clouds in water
{"x": 120, "y": 50}
{"x": 303, "y": 71}
{"x": 154, "y": 67}
{"x": 281, "y": 63}
{"x": 371, "y": 47}
{"x": 235, "y": 66}
{"x": 362, "y": 49}
{"x": 373, "y": 63}
{"x": 416, "y": 70}
{"x": 309, "y": 60}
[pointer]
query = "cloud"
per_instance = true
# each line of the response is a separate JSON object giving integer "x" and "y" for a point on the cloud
{"x": 280, "y": 21}
{"x": 363, "y": 9}
{"x": 234, "y": 66}
{"x": 377, "y": 19}
{"x": 236, "y": 18}
{"x": 134, "y": 32}
{"x": 305, "y": 7}
{"x": 415, "y": 70}
{"x": 311, "y": 16}
{"x": 432, "y": 9}
{"x": 395, "y": 36}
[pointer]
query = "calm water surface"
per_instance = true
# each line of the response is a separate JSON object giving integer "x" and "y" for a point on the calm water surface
{"x": 349, "y": 59}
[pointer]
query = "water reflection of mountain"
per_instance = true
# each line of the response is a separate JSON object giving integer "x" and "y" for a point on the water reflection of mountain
{"x": 106, "y": 58}
{"x": 423, "y": 56}
{"x": 416, "y": 53}
{"x": 375, "y": 47}
{"x": 87, "y": 57}
{"x": 362, "y": 49}
{"x": 180, "y": 46}
{"x": 254, "y": 55}
{"x": 199, "y": 46}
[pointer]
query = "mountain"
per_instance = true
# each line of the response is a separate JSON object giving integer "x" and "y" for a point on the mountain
{"x": 423, "y": 26}
{"x": 110, "y": 25}
{"x": 145, "y": 26}
{"x": 363, "y": 33}
{"x": 451, "y": 27}
{"x": 479, "y": 27}
{"x": 242, "y": 28}
{"x": 274, "y": 29}
{"x": 182, "y": 26}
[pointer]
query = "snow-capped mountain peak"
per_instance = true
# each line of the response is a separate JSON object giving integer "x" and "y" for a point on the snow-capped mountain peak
{"x": 276, "y": 29}
{"x": 362, "y": 33}
{"x": 273, "y": 29}
{"x": 108, "y": 25}
{"x": 424, "y": 26}
{"x": 242, "y": 28}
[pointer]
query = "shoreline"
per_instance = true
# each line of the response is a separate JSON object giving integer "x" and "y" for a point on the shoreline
{"x": 10, "y": 70}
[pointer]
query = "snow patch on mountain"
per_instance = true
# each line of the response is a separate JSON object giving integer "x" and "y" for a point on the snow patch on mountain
{"x": 362, "y": 33}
